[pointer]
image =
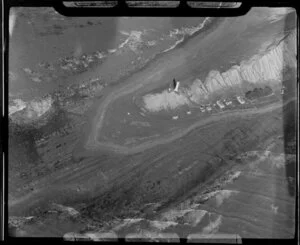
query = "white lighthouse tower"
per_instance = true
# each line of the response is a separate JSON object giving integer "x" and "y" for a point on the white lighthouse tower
{"x": 176, "y": 87}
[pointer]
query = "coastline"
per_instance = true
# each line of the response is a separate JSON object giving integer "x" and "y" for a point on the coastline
{"x": 179, "y": 62}
{"x": 155, "y": 62}
{"x": 155, "y": 73}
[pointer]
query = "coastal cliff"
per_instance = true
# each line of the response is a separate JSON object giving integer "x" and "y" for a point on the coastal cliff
{"x": 267, "y": 66}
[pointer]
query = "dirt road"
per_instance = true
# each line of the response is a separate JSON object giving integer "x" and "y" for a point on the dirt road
{"x": 93, "y": 145}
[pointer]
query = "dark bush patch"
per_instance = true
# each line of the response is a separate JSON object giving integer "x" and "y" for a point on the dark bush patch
{"x": 258, "y": 93}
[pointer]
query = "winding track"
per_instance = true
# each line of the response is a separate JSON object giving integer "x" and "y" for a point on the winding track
{"x": 171, "y": 137}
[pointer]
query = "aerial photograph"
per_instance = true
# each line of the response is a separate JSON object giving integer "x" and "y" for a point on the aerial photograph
{"x": 152, "y": 128}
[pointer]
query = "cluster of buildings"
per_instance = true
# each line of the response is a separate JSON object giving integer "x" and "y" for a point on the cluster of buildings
{"x": 208, "y": 107}
{"x": 221, "y": 104}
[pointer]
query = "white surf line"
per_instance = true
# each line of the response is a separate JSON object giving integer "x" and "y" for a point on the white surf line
{"x": 166, "y": 139}
{"x": 174, "y": 45}
{"x": 200, "y": 27}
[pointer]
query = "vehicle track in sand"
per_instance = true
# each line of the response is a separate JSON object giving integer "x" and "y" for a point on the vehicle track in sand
{"x": 94, "y": 144}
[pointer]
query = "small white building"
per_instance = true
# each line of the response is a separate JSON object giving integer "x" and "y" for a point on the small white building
{"x": 220, "y": 104}
{"x": 282, "y": 90}
{"x": 240, "y": 100}
{"x": 175, "y": 117}
{"x": 208, "y": 108}
{"x": 228, "y": 102}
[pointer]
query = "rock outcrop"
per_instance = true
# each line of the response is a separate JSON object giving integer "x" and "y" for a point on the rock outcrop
{"x": 17, "y": 105}
{"x": 17, "y": 222}
{"x": 34, "y": 108}
{"x": 38, "y": 108}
